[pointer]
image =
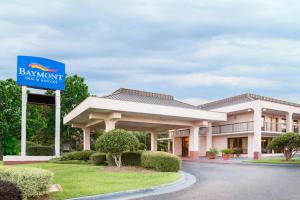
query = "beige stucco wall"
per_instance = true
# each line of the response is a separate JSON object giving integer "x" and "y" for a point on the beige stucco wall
{"x": 219, "y": 142}
{"x": 202, "y": 145}
{"x": 177, "y": 146}
{"x": 242, "y": 117}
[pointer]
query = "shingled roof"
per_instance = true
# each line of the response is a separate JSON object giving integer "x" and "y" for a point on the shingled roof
{"x": 124, "y": 94}
{"x": 242, "y": 99}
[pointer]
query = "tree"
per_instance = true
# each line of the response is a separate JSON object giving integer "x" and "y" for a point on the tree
{"x": 288, "y": 144}
{"x": 116, "y": 142}
{"x": 36, "y": 120}
{"x": 10, "y": 117}
{"x": 144, "y": 138}
{"x": 76, "y": 90}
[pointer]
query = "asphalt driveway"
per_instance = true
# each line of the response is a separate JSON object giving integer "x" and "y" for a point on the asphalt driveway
{"x": 238, "y": 182}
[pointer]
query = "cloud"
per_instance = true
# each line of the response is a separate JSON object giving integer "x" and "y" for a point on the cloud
{"x": 206, "y": 79}
{"x": 191, "y": 49}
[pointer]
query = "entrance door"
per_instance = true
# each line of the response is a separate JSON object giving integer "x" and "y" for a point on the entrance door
{"x": 185, "y": 146}
{"x": 264, "y": 144}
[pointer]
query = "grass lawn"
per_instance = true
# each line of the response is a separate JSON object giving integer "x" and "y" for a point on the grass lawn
{"x": 82, "y": 180}
{"x": 275, "y": 161}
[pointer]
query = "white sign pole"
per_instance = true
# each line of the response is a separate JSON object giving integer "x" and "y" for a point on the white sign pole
{"x": 23, "y": 122}
{"x": 57, "y": 123}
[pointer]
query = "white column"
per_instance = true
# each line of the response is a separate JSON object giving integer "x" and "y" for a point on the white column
{"x": 153, "y": 141}
{"x": 289, "y": 122}
{"x": 110, "y": 124}
{"x": 209, "y": 137}
{"x": 250, "y": 146}
{"x": 194, "y": 142}
{"x": 57, "y": 123}
{"x": 86, "y": 139}
{"x": 23, "y": 123}
{"x": 257, "y": 132}
{"x": 173, "y": 146}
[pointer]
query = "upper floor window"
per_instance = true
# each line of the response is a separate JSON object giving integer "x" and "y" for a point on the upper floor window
{"x": 283, "y": 125}
{"x": 296, "y": 126}
{"x": 263, "y": 123}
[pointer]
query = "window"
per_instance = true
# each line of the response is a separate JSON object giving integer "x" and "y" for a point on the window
{"x": 283, "y": 125}
{"x": 296, "y": 126}
{"x": 238, "y": 143}
{"x": 263, "y": 123}
{"x": 264, "y": 144}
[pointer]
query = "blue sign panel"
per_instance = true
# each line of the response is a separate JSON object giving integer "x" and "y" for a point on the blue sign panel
{"x": 40, "y": 73}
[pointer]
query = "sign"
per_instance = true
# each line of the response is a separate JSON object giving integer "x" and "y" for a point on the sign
{"x": 40, "y": 73}
{"x": 40, "y": 99}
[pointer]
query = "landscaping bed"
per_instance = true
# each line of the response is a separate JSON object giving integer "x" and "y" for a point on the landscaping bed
{"x": 275, "y": 161}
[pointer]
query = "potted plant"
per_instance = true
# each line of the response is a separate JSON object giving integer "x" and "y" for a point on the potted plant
{"x": 227, "y": 154}
{"x": 212, "y": 153}
{"x": 237, "y": 152}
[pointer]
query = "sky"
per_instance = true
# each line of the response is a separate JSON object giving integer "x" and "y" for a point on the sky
{"x": 196, "y": 50}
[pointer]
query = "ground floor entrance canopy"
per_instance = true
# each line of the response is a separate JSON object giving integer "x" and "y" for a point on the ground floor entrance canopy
{"x": 138, "y": 110}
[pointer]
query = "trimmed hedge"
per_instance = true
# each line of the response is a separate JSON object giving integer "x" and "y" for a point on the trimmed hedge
{"x": 110, "y": 160}
{"x": 130, "y": 158}
{"x": 58, "y": 161}
{"x": 32, "y": 182}
{"x": 40, "y": 151}
{"x": 77, "y": 155}
{"x": 98, "y": 158}
{"x": 160, "y": 161}
{"x": 9, "y": 191}
{"x": 32, "y": 144}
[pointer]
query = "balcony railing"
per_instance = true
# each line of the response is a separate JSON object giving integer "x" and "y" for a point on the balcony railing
{"x": 274, "y": 127}
{"x": 249, "y": 126}
{"x": 233, "y": 128}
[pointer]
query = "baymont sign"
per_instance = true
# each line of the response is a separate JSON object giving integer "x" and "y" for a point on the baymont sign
{"x": 40, "y": 73}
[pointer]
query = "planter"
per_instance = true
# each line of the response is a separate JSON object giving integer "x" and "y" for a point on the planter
{"x": 226, "y": 156}
{"x": 211, "y": 156}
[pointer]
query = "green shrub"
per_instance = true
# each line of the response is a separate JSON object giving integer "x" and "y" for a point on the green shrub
{"x": 161, "y": 161}
{"x": 98, "y": 158}
{"x": 131, "y": 158}
{"x": 31, "y": 144}
{"x": 32, "y": 182}
{"x": 288, "y": 144}
{"x": 58, "y": 161}
{"x": 110, "y": 160}
{"x": 237, "y": 151}
{"x": 77, "y": 155}
{"x": 142, "y": 147}
{"x": 116, "y": 142}
{"x": 227, "y": 151}
{"x": 212, "y": 152}
{"x": 9, "y": 191}
{"x": 40, "y": 151}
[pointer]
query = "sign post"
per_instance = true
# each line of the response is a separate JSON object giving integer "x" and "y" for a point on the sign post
{"x": 40, "y": 73}
{"x": 23, "y": 124}
{"x": 57, "y": 123}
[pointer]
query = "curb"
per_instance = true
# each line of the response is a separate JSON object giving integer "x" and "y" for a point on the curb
{"x": 269, "y": 164}
{"x": 185, "y": 181}
{"x": 246, "y": 163}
